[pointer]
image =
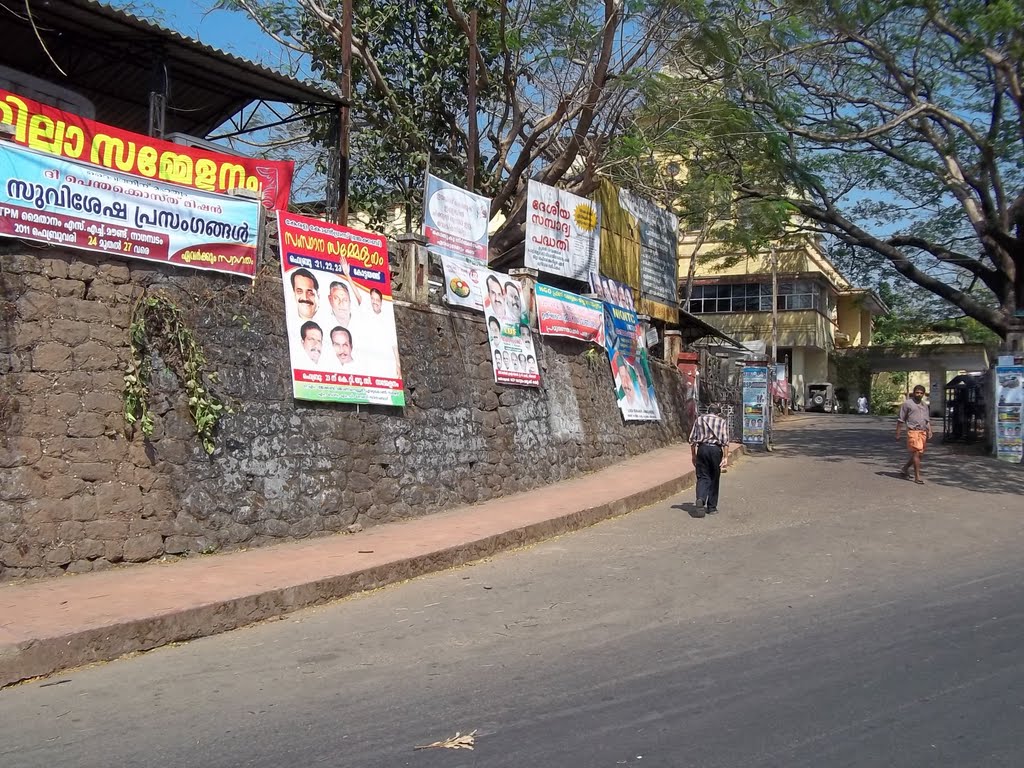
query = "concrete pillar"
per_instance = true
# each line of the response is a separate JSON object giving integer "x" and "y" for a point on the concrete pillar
{"x": 673, "y": 346}
{"x": 937, "y": 391}
{"x": 415, "y": 268}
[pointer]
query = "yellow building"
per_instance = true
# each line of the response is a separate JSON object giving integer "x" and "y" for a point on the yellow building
{"x": 818, "y": 309}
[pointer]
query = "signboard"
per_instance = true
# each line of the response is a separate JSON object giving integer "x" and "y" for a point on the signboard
{"x": 631, "y": 370}
{"x": 755, "y": 402}
{"x": 611, "y": 291}
{"x": 1010, "y": 413}
{"x": 508, "y": 332}
{"x": 455, "y": 221}
{"x": 560, "y": 313}
{"x": 657, "y": 230}
{"x": 48, "y": 199}
{"x": 339, "y": 313}
{"x": 55, "y": 132}
{"x": 563, "y": 232}
{"x": 464, "y": 282}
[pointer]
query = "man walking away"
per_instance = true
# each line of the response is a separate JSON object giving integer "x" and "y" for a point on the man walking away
{"x": 914, "y": 416}
{"x": 709, "y": 439}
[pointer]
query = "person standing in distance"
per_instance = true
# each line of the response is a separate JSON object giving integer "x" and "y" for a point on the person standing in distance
{"x": 709, "y": 440}
{"x": 914, "y": 416}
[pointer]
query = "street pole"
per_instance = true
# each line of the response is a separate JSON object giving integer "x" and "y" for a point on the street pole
{"x": 345, "y": 118}
{"x": 775, "y": 303}
{"x": 472, "y": 133}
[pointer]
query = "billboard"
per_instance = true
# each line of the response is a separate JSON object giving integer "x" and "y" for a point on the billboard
{"x": 55, "y": 132}
{"x": 560, "y": 313}
{"x": 48, "y": 199}
{"x": 755, "y": 403}
{"x": 631, "y": 370}
{"x": 1010, "y": 413}
{"x": 340, "y": 313}
{"x": 455, "y": 221}
{"x": 563, "y": 232}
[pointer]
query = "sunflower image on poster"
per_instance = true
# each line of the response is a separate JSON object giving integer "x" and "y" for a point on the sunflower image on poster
{"x": 562, "y": 232}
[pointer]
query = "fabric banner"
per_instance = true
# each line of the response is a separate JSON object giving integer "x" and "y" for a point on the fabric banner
{"x": 508, "y": 331}
{"x": 657, "y": 230}
{"x": 48, "y": 199}
{"x": 755, "y": 400}
{"x": 464, "y": 282}
{"x": 1010, "y": 413}
{"x": 631, "y": 369}
{"x": 55, "y": 132}
{"x": 612, "y": 291}
{"x": 560, "y": 313}
{"x": 455, "y": 221}
{"x": 563, "y": 232}
{"x": 339, "y": 312}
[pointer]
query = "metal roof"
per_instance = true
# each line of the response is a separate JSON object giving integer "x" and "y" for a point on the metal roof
{"x": 115, "y": 59}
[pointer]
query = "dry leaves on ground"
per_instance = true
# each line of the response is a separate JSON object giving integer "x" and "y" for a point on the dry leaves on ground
{"x": 458, "y": 741}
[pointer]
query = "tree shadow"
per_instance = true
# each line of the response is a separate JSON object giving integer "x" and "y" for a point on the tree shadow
{"x": 870, "y": 440}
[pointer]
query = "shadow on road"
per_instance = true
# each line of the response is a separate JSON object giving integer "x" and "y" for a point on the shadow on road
{"x": 689, "y": 508}
{"x": 870, "y": 440}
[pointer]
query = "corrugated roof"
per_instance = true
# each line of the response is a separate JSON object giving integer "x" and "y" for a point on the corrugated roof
{"x": 115, "y": 59}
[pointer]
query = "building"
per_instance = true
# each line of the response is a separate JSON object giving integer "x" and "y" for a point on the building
{"x": 819, "y": 310}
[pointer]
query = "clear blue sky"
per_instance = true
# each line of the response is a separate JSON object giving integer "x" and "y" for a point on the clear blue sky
{"x": 231, "y": 31}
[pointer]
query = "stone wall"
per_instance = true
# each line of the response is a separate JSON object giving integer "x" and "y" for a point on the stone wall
{"x": 79, "y": 492}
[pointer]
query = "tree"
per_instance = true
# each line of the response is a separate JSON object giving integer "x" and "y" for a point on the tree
{"x": 556, "y": 79}
{"x": 897, "y": 127}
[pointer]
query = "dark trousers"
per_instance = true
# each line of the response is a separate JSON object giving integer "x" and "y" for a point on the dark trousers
{"x": 709, "y": 473}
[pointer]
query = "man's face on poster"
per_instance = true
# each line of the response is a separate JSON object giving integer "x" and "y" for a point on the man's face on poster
{"x": 495, "y": 295}
{"x": 341, "y": 340}
{"x": 306, "y": 298}
{"x": 376, "y": 301}
{"x": 341, "y": 304}
{"x": 313, "y": 342}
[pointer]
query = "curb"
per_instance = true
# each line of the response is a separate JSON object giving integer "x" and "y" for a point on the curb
{"x": 45, "y": 656}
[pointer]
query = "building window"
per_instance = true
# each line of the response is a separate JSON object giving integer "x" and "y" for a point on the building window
{"x": 754, "y": 297}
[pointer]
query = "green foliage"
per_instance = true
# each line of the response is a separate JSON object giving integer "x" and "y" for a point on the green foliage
{"x": 158, "y": 327}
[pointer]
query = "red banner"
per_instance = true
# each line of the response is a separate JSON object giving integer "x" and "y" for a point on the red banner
{"x": 56, "y": 132}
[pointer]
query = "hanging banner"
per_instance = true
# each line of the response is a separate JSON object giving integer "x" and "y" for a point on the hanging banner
{"x": 561, "y": 313}
{"x": 657, "y": 231}
{"x": 464, "y": 282}
{"x": 55, "y": 132}
{"x": 1010, "y": 413}
{"x": 339, "y": 313}
{"x": 563, "y": 232}
{"x": 631, "y": 370}
{"x": 508, "y": 331}
{"x": 755, "y": 401}
{"x": 611, "y": 291}
{"x": 48, "y": 199}
{"x": 455, "y": 221}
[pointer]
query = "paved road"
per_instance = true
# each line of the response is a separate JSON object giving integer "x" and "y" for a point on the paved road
{"x": 831, "y": 615}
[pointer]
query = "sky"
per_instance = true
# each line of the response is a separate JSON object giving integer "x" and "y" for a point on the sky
{"x": 231, "y": 31}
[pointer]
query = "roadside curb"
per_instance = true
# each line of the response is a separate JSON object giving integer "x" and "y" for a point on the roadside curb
{"x": 46, "y": 655}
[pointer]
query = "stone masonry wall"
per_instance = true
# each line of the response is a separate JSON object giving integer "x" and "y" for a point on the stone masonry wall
{"x": 79, "y": 492}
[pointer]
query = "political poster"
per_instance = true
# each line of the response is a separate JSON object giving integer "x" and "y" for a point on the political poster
{"x": 755, "y": 402}
{"x": 611, "y": 291}
{"x": 631, "y": 370}
{"x": 340, "y": 313}
{"x": 49, "y": 199}
{"x": 561, "y": 313}
{"x": 508, "y": 331}
{"x": 1010, "y": 413}
{"x": 67, "y": 135}
{"x": 563, "y": 232}
{"x": 455, "y": 222}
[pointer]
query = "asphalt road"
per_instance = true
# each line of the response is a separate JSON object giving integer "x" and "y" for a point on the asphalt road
{"x": 830, "y": 615}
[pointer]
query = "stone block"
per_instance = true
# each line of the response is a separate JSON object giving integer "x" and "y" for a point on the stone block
{"x": 103, "y": 402}
{"x": 114, "y": 273}
{"x": 70, "y": 332}
{"x": 51, "y": 357}
{"x": 79, "y": 566}
{"x": 17, "y": 451}
{"x": 144, "y": 547}
{"x": 81, "y": 270}
{"x": 87, "y": 549}
{"x": 54, "y": 267}
{"x": 71, "y": 531}
{"x": 93, "y": 356}
{"x": 34, "y": 306}
{"x": 66, "y": 287}
{"x": 59, "y": 555}
{"x": 179, "y": 545}
{"x": 107, "y": 530}
{"x": 20, "y": 555}
{"x": 118, "y": 499}
{"x": 93, "y": 471}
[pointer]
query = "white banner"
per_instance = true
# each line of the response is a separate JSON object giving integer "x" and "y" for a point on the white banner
{"x": 563, "y": 232}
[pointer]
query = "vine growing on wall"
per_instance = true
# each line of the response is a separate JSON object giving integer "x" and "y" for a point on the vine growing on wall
{"x": 158, "y": 325}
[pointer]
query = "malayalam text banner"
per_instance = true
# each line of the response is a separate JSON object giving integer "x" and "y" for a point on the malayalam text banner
{"x": 52, "y": 200}
{"x": 340, "y": 313}
{"x": 455, "y": 222}
{"x": 55, "y": 132}
{"x": 560, "y": 313}
{"x": 631, "y": 369}
{"x": 562, "y": 232}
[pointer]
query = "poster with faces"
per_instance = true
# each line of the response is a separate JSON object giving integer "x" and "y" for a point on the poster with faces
{"x": 339, "y": 312}
{"x": 508, "y": 331}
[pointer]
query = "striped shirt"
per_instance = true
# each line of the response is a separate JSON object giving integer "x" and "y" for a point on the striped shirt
{"x": 710, "y": 429}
